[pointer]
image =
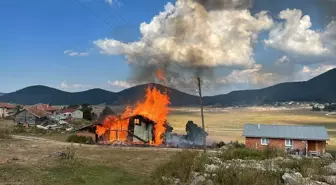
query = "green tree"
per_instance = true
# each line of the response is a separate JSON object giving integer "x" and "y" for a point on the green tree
{"x": 87, "y": 113}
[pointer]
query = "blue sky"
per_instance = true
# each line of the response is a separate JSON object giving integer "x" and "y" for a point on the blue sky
{"x": 35, "y": 34}
{"x": 38, "y": 36}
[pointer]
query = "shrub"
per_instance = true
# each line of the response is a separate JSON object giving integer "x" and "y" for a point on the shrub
{"x": 240, "y": 153}
{"x": 306, "y": 166}
{"x": 79, "y": 139}
{"x": 239, "y": 176}
{"x": 220, "y": 144}
{"x": 180, "y": 166}
{"x": 245, "y": 153}
{"x": 70, "y": 153}
{"x": 269, "y": 153}
{"x": 19, "y": 129}
{"x": 236, "y": 144}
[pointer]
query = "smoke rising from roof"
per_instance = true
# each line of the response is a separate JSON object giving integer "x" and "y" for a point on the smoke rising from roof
{"x": 190, "y": 39}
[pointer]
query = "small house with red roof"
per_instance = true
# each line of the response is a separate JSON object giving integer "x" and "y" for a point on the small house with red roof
{"x": 47, "y": 108}
{"x": 71, "y": 113}
{"x": 36, "y": 114}
{"x": 6, "y": 110}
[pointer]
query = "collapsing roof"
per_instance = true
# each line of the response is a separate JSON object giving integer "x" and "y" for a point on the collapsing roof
{"x": 286, "y": 132}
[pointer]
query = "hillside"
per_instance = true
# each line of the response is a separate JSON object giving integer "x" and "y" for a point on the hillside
{"x": 321, "y": 88}
{"x": 177, "y": 98}
{"x": 42, "y": 94}
{"x": 1, "y": 94}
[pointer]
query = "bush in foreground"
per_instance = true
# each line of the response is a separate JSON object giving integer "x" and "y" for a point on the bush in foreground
{"x": 240, "y": 176}
{"x": 306, "y": 166}
{"x": 245, "y": 153}
{"x": 180, "y": 166}
{"x": 183, "y": 164}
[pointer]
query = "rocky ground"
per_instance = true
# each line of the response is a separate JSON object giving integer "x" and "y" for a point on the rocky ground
{"x": 291, "y": 170}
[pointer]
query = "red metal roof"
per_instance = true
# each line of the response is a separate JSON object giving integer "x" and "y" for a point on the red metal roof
{"x": 68, "y": 110}
{"x": 37, "y": 112}
{"x": 7, "y": 105}
{"x": 45, "y": 107}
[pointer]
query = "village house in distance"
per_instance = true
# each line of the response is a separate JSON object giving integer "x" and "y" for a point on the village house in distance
{"x": 35, "y": 114}
{"x": 301, "y": 140}
{"x": 6, "y": 110}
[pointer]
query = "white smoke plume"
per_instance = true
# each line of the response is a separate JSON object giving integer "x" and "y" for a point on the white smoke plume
{"x": 190, "y": 38}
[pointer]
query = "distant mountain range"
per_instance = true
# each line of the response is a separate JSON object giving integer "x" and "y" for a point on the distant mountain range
{"x": 42, "y": 94}
{"x": 321, "y": 88}
{"x": 1, "y": 94}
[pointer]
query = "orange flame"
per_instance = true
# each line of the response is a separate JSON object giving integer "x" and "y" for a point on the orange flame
{"x": 160, "y": 75}
{"x": 154, "y": 107}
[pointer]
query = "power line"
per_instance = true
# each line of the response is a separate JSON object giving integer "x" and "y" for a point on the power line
{"x": 123, "y": 20}
{"x": 114, "y": 15}
{"x": 94, "y": 13}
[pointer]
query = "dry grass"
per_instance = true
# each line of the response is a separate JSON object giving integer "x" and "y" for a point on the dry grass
{"x": 227, "y": 125}
{"x": 34, "y": 162}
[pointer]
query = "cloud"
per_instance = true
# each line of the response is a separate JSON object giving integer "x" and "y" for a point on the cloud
{"x": 113, "y": 2}
{"x": 282, "y": 60}
{"x": 254, "y": 76}
{"x": 120, "y": 84}
{"x": 222, "y": 38}
{"x": 308, "y": 72}
{"x": 295, "y": 35}
{"x": 74, "y": 53}
{"x": 329, "y": 36}
{"x": 188, "y": 39}
{"x": 74, "y": 87}
{"x": 109, "y": 1}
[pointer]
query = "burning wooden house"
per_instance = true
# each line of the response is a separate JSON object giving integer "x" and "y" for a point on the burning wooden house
{"x": 136, "y": 129}
{"x": 145, "y": 123}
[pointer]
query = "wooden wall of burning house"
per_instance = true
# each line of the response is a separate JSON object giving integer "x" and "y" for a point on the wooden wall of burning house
{"x": 141, "y": 129}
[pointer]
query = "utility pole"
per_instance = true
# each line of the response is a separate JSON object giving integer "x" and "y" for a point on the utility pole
{"x": 201, "y": 103}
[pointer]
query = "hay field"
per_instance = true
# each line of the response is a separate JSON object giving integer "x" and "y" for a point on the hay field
{"x": 227, "y": 124}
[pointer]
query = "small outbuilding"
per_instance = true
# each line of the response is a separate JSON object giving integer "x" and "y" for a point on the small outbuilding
{"x": 71, "y": 113}
{"x": 309, "y": 140}
{"x": 88, "y": 131}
